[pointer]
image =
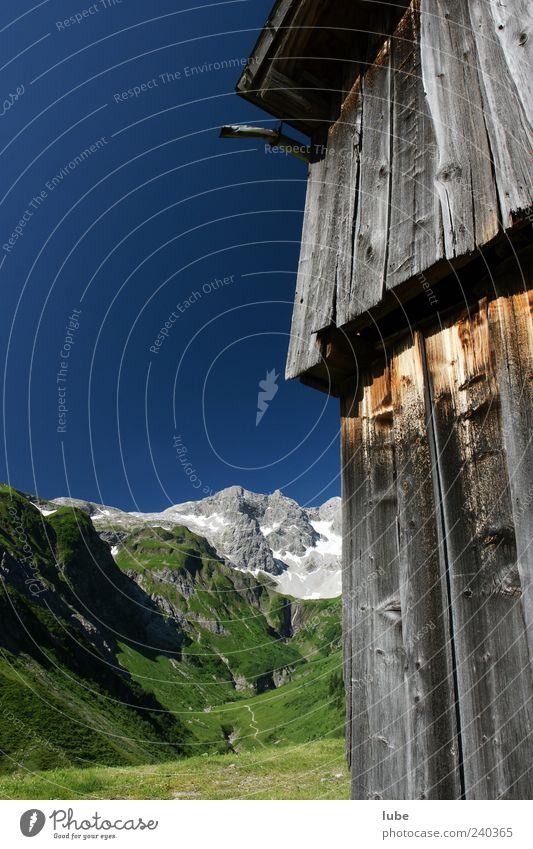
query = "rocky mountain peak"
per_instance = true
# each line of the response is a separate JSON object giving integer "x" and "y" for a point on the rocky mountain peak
{"x": 299, "y": 547}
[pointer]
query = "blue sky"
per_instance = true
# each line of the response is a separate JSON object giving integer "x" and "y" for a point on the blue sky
{"x": 148, "y": 267}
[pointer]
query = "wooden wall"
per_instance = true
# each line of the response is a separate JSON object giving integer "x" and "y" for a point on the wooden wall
{"x": 438, "y": 558}
{"x": 429, "y": 160}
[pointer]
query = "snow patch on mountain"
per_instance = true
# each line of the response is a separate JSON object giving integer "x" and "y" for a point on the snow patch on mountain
{"x": 298, "y": 547}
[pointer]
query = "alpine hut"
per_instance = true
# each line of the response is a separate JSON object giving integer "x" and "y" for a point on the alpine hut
{"x": 413, "y": 307}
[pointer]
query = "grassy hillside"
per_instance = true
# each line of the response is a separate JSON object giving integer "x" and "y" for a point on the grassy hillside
{"x": 231, "y": 618}
{"x": 166, "y": 653}
{"x": 310, "y": 771}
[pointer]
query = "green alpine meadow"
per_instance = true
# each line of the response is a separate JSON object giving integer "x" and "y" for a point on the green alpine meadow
{"x": 158, "y": 671}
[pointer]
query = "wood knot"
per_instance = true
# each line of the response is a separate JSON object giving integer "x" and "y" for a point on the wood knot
{"x": 449, "y": 172}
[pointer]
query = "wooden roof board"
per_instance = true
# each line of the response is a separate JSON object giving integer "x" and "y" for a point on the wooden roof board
{"x": 296, "y": 68}
{"x": 458, "y": 172}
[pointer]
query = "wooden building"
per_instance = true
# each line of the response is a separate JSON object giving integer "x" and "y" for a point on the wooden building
{"x": 413, "y": 306}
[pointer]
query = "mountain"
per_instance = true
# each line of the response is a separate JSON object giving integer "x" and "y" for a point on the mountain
{"x": 161, "y": 650}
{"x": 298, "y": 547}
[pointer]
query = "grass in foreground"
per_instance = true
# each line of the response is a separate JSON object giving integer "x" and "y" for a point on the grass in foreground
{"x": 314, "y": 770}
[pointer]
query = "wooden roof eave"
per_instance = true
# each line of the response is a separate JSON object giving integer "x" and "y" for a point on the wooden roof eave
{"x": 295, "y": 71}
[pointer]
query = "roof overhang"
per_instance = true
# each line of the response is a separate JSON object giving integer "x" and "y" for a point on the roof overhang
{"x": 298, "y": 68}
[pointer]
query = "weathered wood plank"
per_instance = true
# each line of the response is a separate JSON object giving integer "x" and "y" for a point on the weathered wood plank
{"x": 354, "y": 547}
{"x": 325, "y": 260}
{"x": 511, "y": 334}
{"x": 379, "y": 747}
{"x": 444, "y": 168}
{"x": 463, "y": 180}
{"x": 503, "y": 35}
{"x": 351, "y": 496}
{"x": 512, "y": 24}
{"x": 279, "y": 15}
{"x": 287, "y": 97}
{"x": 367, "y": 280}
{"x": 423, "y": 588}
{"x": 349, "y": 140}
{"x": 496, "y": 709}
{"x": 311, "y": 291}
{"x": 416, "y": 238}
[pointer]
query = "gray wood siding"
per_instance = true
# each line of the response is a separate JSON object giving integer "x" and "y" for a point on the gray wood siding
{"x": 493, "y": 663}
{"x": 438, "y": 567}
{"x": 327, "y": 236}
{"x": 429, "y": 160}
{"x": 402, "y": 737}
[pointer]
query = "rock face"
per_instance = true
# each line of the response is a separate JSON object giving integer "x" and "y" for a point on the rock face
{"x": 299, "y": 547}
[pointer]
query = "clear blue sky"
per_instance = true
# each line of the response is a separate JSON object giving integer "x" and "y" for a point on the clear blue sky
{"x": 133, "y": 234}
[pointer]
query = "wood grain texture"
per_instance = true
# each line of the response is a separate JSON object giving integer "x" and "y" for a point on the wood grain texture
{"x": 380, "y": 751}
{"x": 351, "y": 122}
{"x": 326, "y": 254}
{"x": 303, "y": 351}
{"x": 463, "y": 179}
{"x": 503, "y": 37}
{"x": 430, "y": 176}
{"x": 511, "y": 333}
{"x": 512, "y": 25}
{"x": 367, "y": 281}
{"x": 350, "y": 446}
{"x": 402, "y": 734}
{"x": 494, "y": 682}
{"x": 437, "y": 453}
{"x": 423, "y": 587}
{"x": 416, "y": 237}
